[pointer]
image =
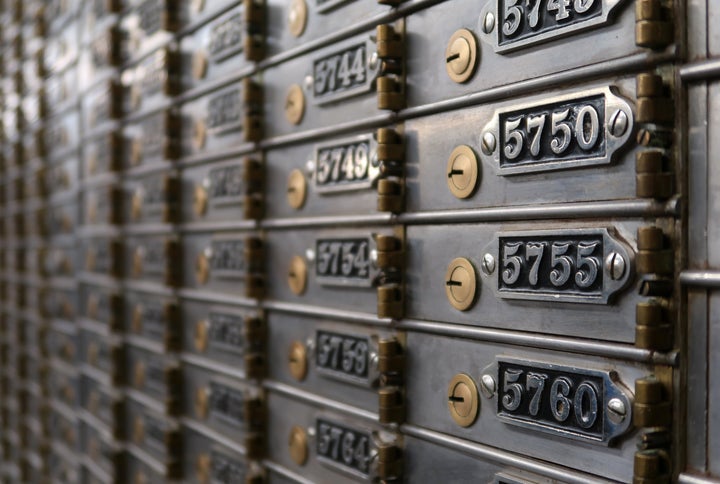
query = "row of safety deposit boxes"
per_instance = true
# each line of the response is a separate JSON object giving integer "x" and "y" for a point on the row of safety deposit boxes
{"x": 339, "y": 241}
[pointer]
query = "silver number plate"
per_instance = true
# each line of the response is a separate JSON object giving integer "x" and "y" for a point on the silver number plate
{"x": 344, "y": 357}
{"x": 226, "y": 469}
{"x": 225, "y": 185}
{"x": 522, "y": 23}
{"x": 346, "y": 165}
{"x": 344, "y": 73}
{"x": 227, "y": 404}
{"x": 344, "y": 448}
{"x": 566, "y": 401}
{"x": 570, "y": 131}
{"x": 344, "y": 262}
{"x": 227, "y": 37}
{"x": 226, "y": 332}
{"x": 573, "y": 265}
{"x": 227, "y": 258}
{"x": 225, "y": 112}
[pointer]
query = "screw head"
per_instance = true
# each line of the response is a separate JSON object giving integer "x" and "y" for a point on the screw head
{"x": 618, "y": 123}
{"x": 295, "y": 104}
{"x": 461, "y": 56}
{"x": 296, "y": 189}
{"x": 309, "y": 83}
{"x": 461, "y": 284}
{"x": 616, "y": 410}
{"x": 615, "y": 265}
{"x": 297, "y": 275}
{"x": 487, "y": 386}
{"x": 489, "y": 143}
{"x": 488, "y": 23}
{"x": 463, "y": 401}
{"x": 462, "y": 172}
{"x": 488, "y": 264}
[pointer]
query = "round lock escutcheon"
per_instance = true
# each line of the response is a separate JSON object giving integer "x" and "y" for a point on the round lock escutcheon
{"x": 202, "y": 268}
{"x": 139, "y": 374}
{"x": 202, "y": 399}
{"x": 298, "y": 445}
{"x": 136, "y": 205}
{"x": 297, "y": 275}
{"x": 461, "y": 284}
{"x": 295, "y": 104}
{"x": 136, "y": 150}
{"x": 461, "y": 56}
{"x": 199, "y": 65}
{"x": 462, "y": 173}
{"x": 138, "y": 430}
{"x": 199, "y": 134}
{"x": 137, "y": 318}
{"x": 200, "y": 338}
{"x": 200, "y": 200}
{"x": 296, "y": 189}
{"x": 93, "y": 353}
{"x": 203, "y": 465}
{"x": 297, "y": 17}
{"x": 463, "y": 400}
{"x": 297, "y": 360}
{"x": 137, "y": 262}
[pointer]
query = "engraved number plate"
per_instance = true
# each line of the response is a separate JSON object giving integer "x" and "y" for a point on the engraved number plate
{"x": 522, "y": 23}
{"x": 227, "y": 404}
{"x": 344, "y": 448}
{"x": 226, "y": 469}
{"x": 225, "y": 112}
{"x": 225, "y": 185}
{"x": 566, "y": 401}
{"x": 226, "y": 332}
{"x": 346, "y": 165}
{"x": 343, "y": 262}
{"x": 577, "y": 130}
{"x": 560, "y": 265}
{"x": 227, "y": 258}
{"x": 226, "y": 37}
{"x": 343, "y": 73}
{"x": 343, "y": 356}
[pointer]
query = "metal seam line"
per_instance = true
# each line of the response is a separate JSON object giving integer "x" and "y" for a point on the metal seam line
{"x": 213, "y": 435}
{"x": 503, "y": 457}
